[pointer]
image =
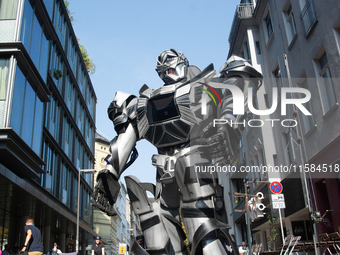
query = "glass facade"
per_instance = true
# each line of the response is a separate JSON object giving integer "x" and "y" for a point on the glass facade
{"x": 48, "y": 102}
{"x": 34, "y": 39}
{"x": 27, "y": 112}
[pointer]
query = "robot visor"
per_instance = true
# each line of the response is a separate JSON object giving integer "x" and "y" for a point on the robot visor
{"x": 178, "y": 70}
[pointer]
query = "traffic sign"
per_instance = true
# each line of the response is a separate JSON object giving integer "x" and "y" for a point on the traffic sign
{"x": 122, "y": 248}
{"x": 278, "y": 201}
{"x": 276, "y": 187}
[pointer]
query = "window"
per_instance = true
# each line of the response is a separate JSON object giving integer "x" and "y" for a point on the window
{"x": 71, "y": 55}
{"x": 49, "y": 4}
{"x": 65, "y": 185}
{"x": 276, "y": 163}
{"x": 70, "y": 95}
{"x": 257, "y": 47}
{"x": 81, "y": 79}
{"x": 337, "y": 35}
{"x": 68, "y": 138}
{"x": 80, "y": 115}
{"x": 308, "y": 15}
{"x": 89, "y": 100}
{"x": 26, "y": 112}
{"x": 4, "y": 65}
{"x": 269, "y": 26}
{"x": 34, "y": 39}
{"x": 87, "y": 208}
{"x": 74, "y": 194}
{"x": 277, "y": 77}
{"x": 88, "y": 132}
{"x": 324, "y": 78}
{"x": 49, "y": 178}
{"x": 78, "y": 154}
{"x": 8, "y": 9}
{"x": 57, "y": 67}
{"x": 245, "y": 51}
{"x": 26, "y": 26}
{"x": 289, "y": 22}
{"x": 53, "y": 117}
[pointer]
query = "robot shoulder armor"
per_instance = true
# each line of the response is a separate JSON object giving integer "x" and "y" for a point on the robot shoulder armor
{"x": 122, "y": 107}
{"x": 238, "y": 64}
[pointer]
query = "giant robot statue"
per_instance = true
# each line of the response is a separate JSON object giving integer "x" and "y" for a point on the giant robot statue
{"x": 172, "y": 119}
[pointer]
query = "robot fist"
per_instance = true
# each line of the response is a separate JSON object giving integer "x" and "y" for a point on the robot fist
{"x": 105, "y": 192}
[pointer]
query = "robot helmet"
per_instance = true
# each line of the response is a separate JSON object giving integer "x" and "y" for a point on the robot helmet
{"x": 172, "y": 66}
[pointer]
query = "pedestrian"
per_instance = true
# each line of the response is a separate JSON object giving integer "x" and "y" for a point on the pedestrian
{"x": 243, "y": 249}
{"x": 33, "y": 244}
{"x": 7, "y": 250}
{"x": 98, "y": 247}
{"x": 54, "y": 250}
{"x": 16, "y": 250}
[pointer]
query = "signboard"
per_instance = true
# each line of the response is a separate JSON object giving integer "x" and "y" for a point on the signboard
{"x": 276, "y": 187}
{"x": 122, "y": 248}
{"x": 278, "y": 201}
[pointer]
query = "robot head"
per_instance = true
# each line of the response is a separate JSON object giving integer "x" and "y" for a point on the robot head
{"x": 172, "y": 66}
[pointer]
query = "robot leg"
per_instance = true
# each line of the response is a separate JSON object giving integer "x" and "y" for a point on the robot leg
{"x": 201, "y": 208}
{"x": 160, "y": 225}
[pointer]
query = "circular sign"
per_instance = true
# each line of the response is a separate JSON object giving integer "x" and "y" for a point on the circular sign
{"x": 276, "y": 187}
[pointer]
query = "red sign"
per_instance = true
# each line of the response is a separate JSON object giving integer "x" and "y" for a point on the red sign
{"x": 276, "y": 187}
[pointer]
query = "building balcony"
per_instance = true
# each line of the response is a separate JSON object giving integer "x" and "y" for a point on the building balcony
{"x": 243, "y": 11}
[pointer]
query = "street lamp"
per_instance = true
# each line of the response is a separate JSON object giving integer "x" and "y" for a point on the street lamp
{"x": 85, "y": 171}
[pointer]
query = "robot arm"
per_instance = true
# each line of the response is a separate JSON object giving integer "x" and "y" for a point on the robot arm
{"x": 236, "y": 72}
{"x": 122, "y": 112}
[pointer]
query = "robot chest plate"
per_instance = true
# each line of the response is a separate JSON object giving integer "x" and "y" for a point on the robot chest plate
{"x": 170, "y": 114}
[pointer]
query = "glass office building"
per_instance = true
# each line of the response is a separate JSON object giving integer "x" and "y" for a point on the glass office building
{"x": 47, "y": 125}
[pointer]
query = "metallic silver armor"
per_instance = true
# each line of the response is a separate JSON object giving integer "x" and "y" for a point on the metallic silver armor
{"x": 171, "y": 118}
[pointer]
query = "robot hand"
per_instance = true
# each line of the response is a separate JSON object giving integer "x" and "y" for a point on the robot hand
{"x": 216, "y": 148}
{"x": 107, "y": 188}
{"x": 221, "y": 146}
{"x": 105, "y": 192}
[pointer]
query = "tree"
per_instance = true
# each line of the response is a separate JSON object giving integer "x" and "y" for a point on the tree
{"x": 70, "y": 15}
{"x": 90, "y": 66}
{"x": 272, "y": 220}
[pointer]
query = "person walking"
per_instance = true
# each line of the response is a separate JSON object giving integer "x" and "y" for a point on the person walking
{"x": 33, "y": 243}
{"x": 98, "y": 247}
{"x": 243, "y": 249}
{"x": 7, "y": 250}
{"x": 54, "y": 250}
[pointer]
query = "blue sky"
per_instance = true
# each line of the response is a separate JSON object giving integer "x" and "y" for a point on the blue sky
{"x": 124, "y": 38}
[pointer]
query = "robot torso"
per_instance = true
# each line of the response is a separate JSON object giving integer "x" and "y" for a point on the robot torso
{"x": 172, "y": 115}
